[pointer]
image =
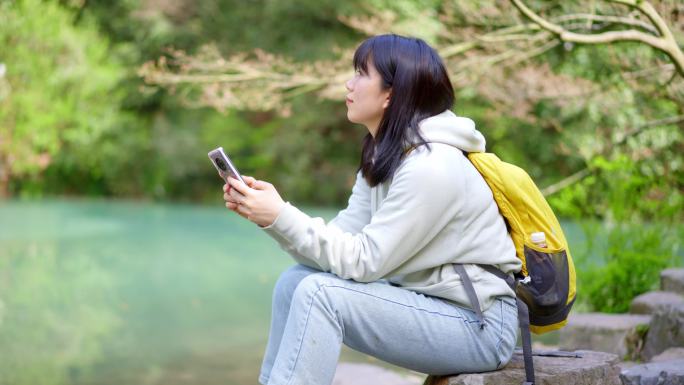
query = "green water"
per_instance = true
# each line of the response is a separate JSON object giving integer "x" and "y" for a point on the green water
{"x": 102, "y": 292}
{"x": 109, "y": 292}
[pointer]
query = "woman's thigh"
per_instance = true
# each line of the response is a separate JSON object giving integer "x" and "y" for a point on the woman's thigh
{"x": 419, "y": 332}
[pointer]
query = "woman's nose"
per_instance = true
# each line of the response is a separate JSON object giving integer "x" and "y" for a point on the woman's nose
{"x": 348, "y": 84}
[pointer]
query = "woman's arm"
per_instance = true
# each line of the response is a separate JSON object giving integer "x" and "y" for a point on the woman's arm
{"x": 420, "y": 202}
{"x": 352, "y": 219}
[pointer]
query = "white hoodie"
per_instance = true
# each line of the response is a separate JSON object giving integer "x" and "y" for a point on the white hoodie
{"x": 436, "y": 210}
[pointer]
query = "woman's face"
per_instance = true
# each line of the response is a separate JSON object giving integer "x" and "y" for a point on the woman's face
{"x": 366, "y": 100}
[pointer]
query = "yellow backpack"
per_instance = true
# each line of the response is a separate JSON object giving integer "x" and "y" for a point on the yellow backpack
{"x": 545, "y": 287}
{"x": 548, "y": 273}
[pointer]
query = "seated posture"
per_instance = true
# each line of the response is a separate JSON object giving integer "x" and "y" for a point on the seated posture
{"x": 379, "y": 276}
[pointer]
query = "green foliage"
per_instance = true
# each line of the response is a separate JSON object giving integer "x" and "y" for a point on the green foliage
{"x": 623, "y": 191}
{"x": 61, "y": 87}
{"x": 638, "y": 235}
{"x": 573, "y": 107}
{"x": 419, "y": 18}
{"x": 306, "y": 155}
{"x": 633, "y": 256}
{"x": 301, "y": 29}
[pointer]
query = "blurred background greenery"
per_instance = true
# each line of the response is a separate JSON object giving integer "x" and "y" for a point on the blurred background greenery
{"x": 117, "y": 261}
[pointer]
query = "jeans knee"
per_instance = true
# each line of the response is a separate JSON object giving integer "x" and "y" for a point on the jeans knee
{"x": 289, "y": 280}
{"x": 312, "y": 284}
{"x": 319, "y": 290}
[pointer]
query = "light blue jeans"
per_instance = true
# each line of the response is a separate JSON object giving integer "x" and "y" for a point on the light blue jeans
{"x": 315, "y": 312}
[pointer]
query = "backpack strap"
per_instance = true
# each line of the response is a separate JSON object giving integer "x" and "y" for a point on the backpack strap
{"x": 509, "y": 280}
{"x": 470, "y": 292}
{"x": 523, "y": 321}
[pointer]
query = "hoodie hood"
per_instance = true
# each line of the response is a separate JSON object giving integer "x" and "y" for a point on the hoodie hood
{"x": 453, "y": 130}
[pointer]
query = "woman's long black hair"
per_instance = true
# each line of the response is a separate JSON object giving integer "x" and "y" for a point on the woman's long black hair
{"x": 420, "y": 88}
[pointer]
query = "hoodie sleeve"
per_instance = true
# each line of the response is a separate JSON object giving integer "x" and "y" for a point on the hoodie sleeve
{"x": 352, "y": 219}
{"x": 414, "y": 211}
{"x": 358, "y": 211}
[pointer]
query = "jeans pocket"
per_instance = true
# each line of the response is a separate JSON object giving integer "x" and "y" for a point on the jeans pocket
{"x": 509, "y": 331}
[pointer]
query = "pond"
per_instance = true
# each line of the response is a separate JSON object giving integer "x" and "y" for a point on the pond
{"x": 117, "y": 292}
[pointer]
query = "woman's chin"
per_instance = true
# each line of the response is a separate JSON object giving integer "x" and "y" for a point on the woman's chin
{"x": 355, "y": 119}
{"x": 350, "y": 117}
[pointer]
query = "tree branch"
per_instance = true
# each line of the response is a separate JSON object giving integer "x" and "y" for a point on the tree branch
{"x": 609, "y": 19}
{"x": 647, "y": 9}
{"x": 665, "y": 43}
{"x": 572, "y": 179}
{"x": 516, "y": 32}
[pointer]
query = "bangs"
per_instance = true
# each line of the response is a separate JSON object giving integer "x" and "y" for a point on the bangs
{"x": 362, "y": 55}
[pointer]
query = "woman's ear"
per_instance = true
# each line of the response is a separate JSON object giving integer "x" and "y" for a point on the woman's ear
{"x": 387, "y": 99}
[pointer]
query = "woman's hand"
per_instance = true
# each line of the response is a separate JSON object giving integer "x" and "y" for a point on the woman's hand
{"x": 258, "y": 201}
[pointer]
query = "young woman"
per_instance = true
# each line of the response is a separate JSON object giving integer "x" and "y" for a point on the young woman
{"x": 379, "y": 276}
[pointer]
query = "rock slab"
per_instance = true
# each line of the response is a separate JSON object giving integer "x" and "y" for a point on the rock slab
{"x": 592, "y": 368}
{"x": 672, "y": 280}
{"x": 665, "y": 331}
{"x": 669, "y": 355}
{"x": 655, "y": 373}
{"x": 621, "y": 334}
{"x": 651, "y": 302}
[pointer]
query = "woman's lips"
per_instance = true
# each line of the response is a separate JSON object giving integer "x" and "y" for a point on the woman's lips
{"x": 349, "y": 101}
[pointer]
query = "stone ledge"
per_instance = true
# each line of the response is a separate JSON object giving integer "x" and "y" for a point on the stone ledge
{"x": 649, "y": 303}
{"x": 665, "y": 331}
{"x": 621, "y": 334}
{"x": 672, "y": 280}
{"x": 663, "y": 372}
{"x": 592, "y": 368}
{"x": 669, "y": 355}
{"x": 606, "y": 321}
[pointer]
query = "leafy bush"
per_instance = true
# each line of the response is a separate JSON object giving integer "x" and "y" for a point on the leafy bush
{"x": 637, "y": 235}
{"x": 633, "y": 256}
{"x": 60, "y": 90}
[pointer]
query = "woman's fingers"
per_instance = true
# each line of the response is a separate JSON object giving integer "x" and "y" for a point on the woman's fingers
{"x": 235, "y": 196}
{"x": 243, "y": 210}
{"x": 237, "y": 207}
{"x": 261, "y": 185}
{"x": 249, "y": 180}
{"x": 229, "y": 198}
{"x": 240, "y": 210}
{"x": 234, "y": 199}
{"x": 255, "y": 200}
{"x": 238, "y": 185}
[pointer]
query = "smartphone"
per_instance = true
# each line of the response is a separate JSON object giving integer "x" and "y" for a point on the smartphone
{"x": 223, "y": 165}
